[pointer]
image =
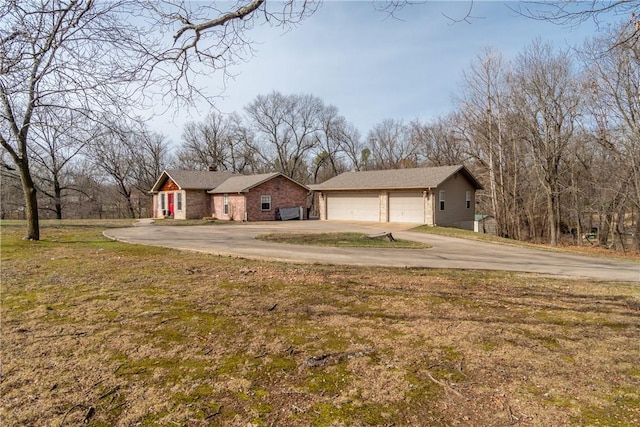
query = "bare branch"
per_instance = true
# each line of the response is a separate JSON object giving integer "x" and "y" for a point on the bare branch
{"x": 573, "y": 13}
{"x": 239, "y": 13}
{"x": 466, "y": 18}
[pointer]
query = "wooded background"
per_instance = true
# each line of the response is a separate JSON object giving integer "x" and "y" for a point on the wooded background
{"x": 553, "y": 135}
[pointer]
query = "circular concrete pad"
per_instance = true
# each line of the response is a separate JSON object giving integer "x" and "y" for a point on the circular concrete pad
{"x": 238, "y": 239}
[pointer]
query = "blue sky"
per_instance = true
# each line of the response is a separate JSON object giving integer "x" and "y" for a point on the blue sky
{"x": 372, "y": 67}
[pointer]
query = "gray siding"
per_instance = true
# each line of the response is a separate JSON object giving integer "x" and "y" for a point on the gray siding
{"x": 455, "y": 213}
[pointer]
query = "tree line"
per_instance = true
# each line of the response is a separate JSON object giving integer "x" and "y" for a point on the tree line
{"x": 553, "y": 134}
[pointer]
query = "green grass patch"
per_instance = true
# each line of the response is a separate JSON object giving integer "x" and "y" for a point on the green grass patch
{"x": 329, "y": 414}
{"x": 350, "y": 240}
{"x": 623, "y": 409}
{"x": 489, "y": 345}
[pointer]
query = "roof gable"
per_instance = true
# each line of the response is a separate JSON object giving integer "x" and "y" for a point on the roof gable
{"x": 244, "y": 183}
{"x": 216, "y": 182}
{"x": 390, "y": 179}
{"x": 192, "y": 180}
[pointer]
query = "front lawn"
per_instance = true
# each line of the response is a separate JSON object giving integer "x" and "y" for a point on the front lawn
{"x": 103, "y": 333}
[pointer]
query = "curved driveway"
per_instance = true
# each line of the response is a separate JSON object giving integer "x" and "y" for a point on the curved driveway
{"x": 445, "y": 252}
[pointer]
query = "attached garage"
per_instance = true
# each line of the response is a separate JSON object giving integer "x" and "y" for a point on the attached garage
{"x": 442, "y": 196}
{"x": 406, "y": 207}
{"x": 353, "y": 207}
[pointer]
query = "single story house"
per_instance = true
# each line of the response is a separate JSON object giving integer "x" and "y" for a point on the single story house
{"x": 443, "y": 196}
{"x": 224, "y": 195}
{"x": 258, "y": 197}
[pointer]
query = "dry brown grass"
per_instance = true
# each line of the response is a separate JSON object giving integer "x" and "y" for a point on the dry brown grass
{"x": 119, "y": 334}
{"x": 565, "y": 245}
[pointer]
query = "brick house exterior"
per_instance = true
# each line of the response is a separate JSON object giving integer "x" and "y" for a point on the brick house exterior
{"x": 258, "y": 197}
{"x": 226, "y": 196}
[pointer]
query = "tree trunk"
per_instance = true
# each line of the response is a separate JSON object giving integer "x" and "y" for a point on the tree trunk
{"x": 604, "y": 226}
{"x": 636, "y": 237}
{"x": 57, "y": 198}
{"x": 30, "y": 201}
{"x": 553, "y": 229}
{"x": 130, "y": 208}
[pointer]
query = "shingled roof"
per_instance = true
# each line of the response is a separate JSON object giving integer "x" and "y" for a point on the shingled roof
{"x": 193, "y": 180}
{"x": 415, "y": 178}
{"x": 244, "y": 183}
{"x": 215, "y": 182}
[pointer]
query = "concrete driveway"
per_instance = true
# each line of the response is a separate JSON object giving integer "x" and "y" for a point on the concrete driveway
{"x": 446, "y": 252}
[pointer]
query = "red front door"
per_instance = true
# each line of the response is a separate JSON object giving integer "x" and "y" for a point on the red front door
{"x": 170, "y": 203}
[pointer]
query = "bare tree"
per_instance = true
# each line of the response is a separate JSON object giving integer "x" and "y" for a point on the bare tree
{"x": 329, "y": 139}
{"x": 52, "y": 57}
{"x": 438, "y": 143}
{"x": 355, "y": 149}
{"x": 91, "y": 198}
{"x": 485, "y": 108}
{"x": 615, "y": 110}
{"x": 150, "y": 153}
{"x": 207, "y": 144}
{"x": 286, "y": 128}
{"x": 217, "y": 33}
{"x": 391, "y": 145}
{"x": 546, "y": 96}
{"x": 131, "y": 158}
{"x": 242, "y": 151}
{"x": 222, "y": 142}
{"x": 11, "y": 197}
{"x": 58, "y": 138}
{"x": 575, "y": 13}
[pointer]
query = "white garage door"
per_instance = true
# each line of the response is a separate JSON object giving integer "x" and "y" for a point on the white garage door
{"x": 406, "y": 207}
{"x": 353, "y": 207}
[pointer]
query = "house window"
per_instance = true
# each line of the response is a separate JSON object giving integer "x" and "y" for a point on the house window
{"x": 179, "y": 200}
{"x": 225, "y": 204}
{"x": 441, "y": 199}
{"x": 265, "y": 202}
{"x": 162, "y": 202}
{"x": 468, "y": 196}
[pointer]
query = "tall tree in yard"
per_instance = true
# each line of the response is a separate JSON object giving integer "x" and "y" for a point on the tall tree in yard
{"x": 57, "y": 141}
{"x": 547, "y": 98}
{"x": 614, "y": 63}
{"x": 483, "y": 109}
{"x": 52, "y": 59}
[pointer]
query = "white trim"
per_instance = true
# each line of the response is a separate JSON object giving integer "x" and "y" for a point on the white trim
{"x": 264, "y": 197}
